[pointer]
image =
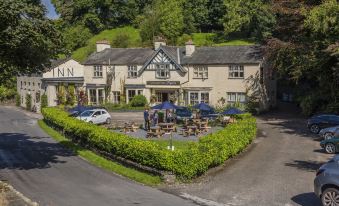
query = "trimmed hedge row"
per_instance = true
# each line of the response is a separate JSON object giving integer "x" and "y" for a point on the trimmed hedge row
{"x": 211, "y": 150}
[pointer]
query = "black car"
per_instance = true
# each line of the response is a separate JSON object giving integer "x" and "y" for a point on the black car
{"x": 318, "y": 122}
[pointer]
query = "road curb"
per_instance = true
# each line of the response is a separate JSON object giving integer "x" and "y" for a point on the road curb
{"x": 27, "y": 201}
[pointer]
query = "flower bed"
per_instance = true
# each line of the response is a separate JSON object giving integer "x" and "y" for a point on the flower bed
{"x": 211, "y": 150}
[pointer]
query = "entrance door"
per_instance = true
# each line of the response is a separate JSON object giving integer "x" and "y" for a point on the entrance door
{"x": 163, "y": 96}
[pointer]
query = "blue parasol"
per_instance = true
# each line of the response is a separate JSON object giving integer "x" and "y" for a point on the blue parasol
{"x": 203, "y": 106}
{"x": 232, "y": 111}
{"x": 165, "y": 105}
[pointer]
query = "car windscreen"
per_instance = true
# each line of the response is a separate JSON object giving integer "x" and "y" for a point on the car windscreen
{"x": 86, "y": 113}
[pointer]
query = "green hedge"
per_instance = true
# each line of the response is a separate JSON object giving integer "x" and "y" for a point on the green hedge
{"x": 211, "y": 150}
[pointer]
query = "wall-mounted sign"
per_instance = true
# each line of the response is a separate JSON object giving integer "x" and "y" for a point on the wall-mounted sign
{"x": 163, "y": 82}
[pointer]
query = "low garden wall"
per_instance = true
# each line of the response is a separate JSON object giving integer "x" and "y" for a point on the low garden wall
{"x": 211, "y": 150}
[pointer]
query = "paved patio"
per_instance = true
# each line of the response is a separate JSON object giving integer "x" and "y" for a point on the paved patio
{"x": 140, "y": 133}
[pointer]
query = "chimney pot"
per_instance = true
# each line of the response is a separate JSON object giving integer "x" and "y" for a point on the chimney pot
{"x": 189, "y": 48}
{"x": 102, "y": 45}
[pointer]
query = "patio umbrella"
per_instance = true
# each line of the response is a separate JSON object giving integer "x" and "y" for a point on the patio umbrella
{"x": 203, "y": 106}
{"x": 232, "y": 111}
{"x": 165, "y": 105}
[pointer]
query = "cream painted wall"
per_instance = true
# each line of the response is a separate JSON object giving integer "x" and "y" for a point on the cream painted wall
{"x": 32, "y": 86}
{"x": 70, "y": 68}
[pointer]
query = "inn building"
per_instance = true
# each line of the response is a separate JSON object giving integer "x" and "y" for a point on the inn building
{"x": 184, "y": 75}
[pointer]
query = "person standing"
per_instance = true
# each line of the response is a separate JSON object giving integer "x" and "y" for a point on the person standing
{"x": 155, "y": 118}
{"x": 146, "y": 118}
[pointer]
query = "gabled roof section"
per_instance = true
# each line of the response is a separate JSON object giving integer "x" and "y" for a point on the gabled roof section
{"x": 57, "y": 62}
{"x": 120, "y": 56}
{"x": 170, "y": 52}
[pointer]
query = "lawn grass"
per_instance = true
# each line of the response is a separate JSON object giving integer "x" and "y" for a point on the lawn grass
{"x": 134, "y": 41}
{"x": 99, "y": 161}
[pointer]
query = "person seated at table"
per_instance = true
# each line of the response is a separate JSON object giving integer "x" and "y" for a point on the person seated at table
{"x": 155, "y": 118}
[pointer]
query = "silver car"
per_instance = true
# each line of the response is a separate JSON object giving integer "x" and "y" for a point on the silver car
{"x": 326, "y": 183}
{"x": 95, "y": 116}
{"x": 329, "y": 133}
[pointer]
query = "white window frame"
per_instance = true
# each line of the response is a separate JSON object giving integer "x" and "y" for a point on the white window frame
{"x": 130, "y": 97}
{"x": 132, "y": 71}
{"x": 199, "y": 97}
{"x": 162, "y": 71}
{"x": 116, "y": 97}
{"x": 92, "y": 96}
{"x": 200, "y": 72}
{"x": 236, "y": 72}
{"x": 233, "y": 97}
{"x": 97, "y": 71}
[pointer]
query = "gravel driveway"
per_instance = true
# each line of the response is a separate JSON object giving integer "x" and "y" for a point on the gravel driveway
{"x": 278, "y": 169}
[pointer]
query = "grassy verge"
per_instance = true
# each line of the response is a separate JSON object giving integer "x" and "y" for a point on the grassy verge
{"x": 99, "y": 161}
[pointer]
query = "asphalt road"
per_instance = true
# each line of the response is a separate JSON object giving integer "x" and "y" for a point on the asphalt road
{"x": 278, "y": 170}
{"x": 47, "y": 173}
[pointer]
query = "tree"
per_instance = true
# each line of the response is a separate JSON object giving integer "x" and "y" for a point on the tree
{"x": 28, "y": 40}
{"x": 252, "y": 17}
{"x": 75, "y": 37}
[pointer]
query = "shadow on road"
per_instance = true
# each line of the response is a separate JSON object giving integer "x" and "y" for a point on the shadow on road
{"x": 307, "y": 199}
{"x": 20, "y": 151}
{"x": 310, "y": 166}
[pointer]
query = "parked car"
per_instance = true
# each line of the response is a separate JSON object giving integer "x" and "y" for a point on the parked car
{"x": 76, "y": 111}
{"x": 95, "y": 116}
{"x": 331, "y": 146}
{"x": 329, "y": 133}
{"x": 183, "y": 113}
{"x": 326, "y": 182}
{"x": 318, "y": 122}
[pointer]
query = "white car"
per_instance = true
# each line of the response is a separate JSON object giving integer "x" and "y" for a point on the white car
{"x": 95, "y": 116}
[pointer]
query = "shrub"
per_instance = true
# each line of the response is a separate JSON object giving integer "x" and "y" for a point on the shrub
{"x": 70, "y": 95}
{"x": 17, "y": 100}
{"x": 6, "y": 93}
{"x": 138, "y": 101}
{"x": 210, "y": 151}
{"x": 44, "y": 101}
{"x": 28, "y": 102}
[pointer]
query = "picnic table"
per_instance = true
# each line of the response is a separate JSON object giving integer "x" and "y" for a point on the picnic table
{"x": 154, "y": 132}
{"x": 191, "y": 130}
{"x": 203, "y": 126}
{"x": 129, "y": 127}
{"x": 167, "y": 127}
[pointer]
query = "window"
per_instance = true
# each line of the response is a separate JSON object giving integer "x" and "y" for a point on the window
{"x": 97, "y": 113}
{"x": 93, "y": 95}
{"x": 139, "y": 92}
{"x": 39, "y": 85}
{"x": 162, "y": 71}
{"x": 200, "y": 72}
{"x": 131, "y": 94}
{"x": 132, "y": 71}
{"x": 194, "y": 98}
{"x": 33, "y": 84}
{"x": 236, "y": 72}
{"x": 21, "y": 85}
{"x": 101, "y": 96}
{"x": 236, "y": 97}
{"x": 204, "y": 97}
{"x": 29, "y": 83}
{"x": 97, "y": 71}
{"x": 116, "y": 97}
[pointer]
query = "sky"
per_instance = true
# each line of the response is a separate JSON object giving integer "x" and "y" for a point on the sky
{"x": 51, "y": 13}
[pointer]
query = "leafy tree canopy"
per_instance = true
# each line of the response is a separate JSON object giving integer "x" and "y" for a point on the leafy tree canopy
{"x": 27, "y": 38}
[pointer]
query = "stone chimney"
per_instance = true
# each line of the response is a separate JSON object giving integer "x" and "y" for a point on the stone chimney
{"x": 102, "y": 45}
{"x": 158, "y": 41}
{"x": 190, "y": 48}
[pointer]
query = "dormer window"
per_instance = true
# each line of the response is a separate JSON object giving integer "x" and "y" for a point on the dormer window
{"x": 132, "y": 71}
{"x": 162, "y": 71}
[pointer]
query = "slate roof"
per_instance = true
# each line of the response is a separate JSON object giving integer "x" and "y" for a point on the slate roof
{"x": 120, "y": 56}
{"x": 55, "y": 63}
{"x": 201, "y": 55}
